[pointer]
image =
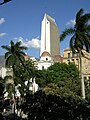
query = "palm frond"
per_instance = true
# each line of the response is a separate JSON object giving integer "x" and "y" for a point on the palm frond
{"x": 23, "y": 48}
{"x": 79, "y": 14}
{"x": 67, "y": 32}
{"x": 7, "y": 54}
{"x": 71, "y": 44}
{"x": 12, "y": 43}
{"x": 18, "y": 44}
{"x": 10, "y": 61}
{"x": 19, "y": 47}
{"x": 86, "y": 28}
{"x": 79, "y": 35}
{"x": 79, "y": 40}
{"x": 84, "y": 19}
{"x": 6, "y": 47}
{"x": 86, "y": 42}
{"x": 22, "y": 53}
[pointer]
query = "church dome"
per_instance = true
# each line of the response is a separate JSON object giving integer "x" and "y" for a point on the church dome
{"x": 45, "y": 54}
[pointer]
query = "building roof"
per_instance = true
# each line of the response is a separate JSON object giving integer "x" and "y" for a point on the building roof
{"x": 49, "y": 18}
{"x": 45, "y": 53}
{"x": 58, "y": 58}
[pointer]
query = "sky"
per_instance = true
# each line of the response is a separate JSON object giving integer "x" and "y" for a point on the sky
{"x": 20, "y": 20}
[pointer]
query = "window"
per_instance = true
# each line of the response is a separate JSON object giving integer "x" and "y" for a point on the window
{"x": 72, "y": 55}
{"x": 84, "y": 78}
{"x": 46, "y": 59}
{"x": 89, "y": 77}
{"x": 77, "y": 61}
{"x": 42, "y": 67}
{"x": 72, "y": 60}
{"x": 68, "y": 55}
{"x": 68, "y": 61}
{"x": 77, "y": 54}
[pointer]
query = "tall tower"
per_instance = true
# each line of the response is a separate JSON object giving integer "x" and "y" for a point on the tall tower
{"x": 50, "y": 37}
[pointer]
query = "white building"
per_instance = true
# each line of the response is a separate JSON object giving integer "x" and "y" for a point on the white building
{"x": 50, "y": 43}
{"x": 2, "y": 72}
{"x": 50, "y": 37}
{"x": 45, "y": 61}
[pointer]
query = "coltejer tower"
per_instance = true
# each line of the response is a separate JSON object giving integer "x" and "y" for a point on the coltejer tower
{"x": 50, "y": 37}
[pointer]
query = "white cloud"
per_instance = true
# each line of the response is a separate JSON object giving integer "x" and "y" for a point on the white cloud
{"x": 71, "y": 22}
{"x": 33, "y": 43}
{"x": 2, "y": 34}
{"x": 2, "y": 20}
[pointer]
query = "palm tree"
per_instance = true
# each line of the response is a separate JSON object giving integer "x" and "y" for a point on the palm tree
{"x": 14, "y": 56}
{"x": 80, "y": 38}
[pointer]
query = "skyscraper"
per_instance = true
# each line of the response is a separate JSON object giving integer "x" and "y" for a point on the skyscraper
{"x": 50, "y": 37}
{"x": 50, "y": 43}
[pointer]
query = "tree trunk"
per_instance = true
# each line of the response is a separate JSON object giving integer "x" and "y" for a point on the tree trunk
{"x": 82, "y": 81}
{"x": 82, "y": 78}
{"x": 14, "y": 104}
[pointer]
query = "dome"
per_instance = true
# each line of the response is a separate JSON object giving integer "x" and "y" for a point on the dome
{"x": 26, "y": 57}
{"x": 45, "y": 54}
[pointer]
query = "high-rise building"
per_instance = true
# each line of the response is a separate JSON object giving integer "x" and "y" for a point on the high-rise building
{"x": 50, "y": 37}
{"x": 50, "y": 43}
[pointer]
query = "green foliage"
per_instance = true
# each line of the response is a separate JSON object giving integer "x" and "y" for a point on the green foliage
{"x": 14, "y": 54}
{"x": 41, "y": 77}
{"x": 58, "y": 74}
{"x": 24, "y": 73}
{"x": 9, "y": 89}
{"x": 42, "y": 106}
{"x": 63, "y": 71}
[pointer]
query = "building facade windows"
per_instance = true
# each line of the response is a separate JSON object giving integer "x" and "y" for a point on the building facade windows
{"x": 72, "y": 55}
{"x": 46, "y": 59}
{"x": 77, "y": 55}
{"x": 42, "y": 67}
{"x": 85, "y": 78}
{"x": 89, "y": 77}
{"x": 72, "y": 60}
{"x": 68, "y": 55}
{"x": 68, "y": 61}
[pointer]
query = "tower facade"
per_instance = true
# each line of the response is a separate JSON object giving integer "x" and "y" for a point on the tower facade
{"x": 50, "y": 37}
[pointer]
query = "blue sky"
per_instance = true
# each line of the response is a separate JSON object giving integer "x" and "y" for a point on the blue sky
{"x": 21, "y": 20}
